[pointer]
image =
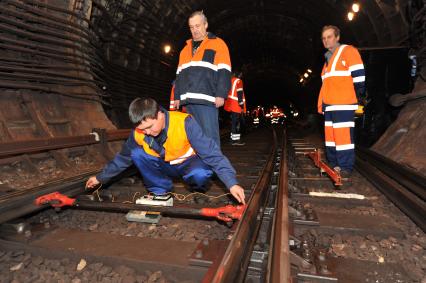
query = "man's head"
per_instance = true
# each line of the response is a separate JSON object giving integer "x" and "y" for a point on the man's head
{"x": 198, "y": 25}
{"x": 147, "y": 115}
{"x": 330, "y": 36}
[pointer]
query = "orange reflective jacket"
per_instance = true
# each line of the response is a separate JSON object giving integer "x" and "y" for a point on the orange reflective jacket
{"x": 177, "y": 147}
{"x": 232, "y": 104}
{"x": 202, "y": 77}
{"x": 337, "y": 83}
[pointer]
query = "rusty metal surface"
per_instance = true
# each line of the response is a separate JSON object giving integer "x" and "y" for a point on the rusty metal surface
{"x": 279, "y": 268}
{"x": 233, "y": 265}
{"x": 39, "y": 145}
{"x": 403, "y": 197}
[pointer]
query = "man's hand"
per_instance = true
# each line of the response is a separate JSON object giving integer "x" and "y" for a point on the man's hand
{"x": 219, "y": 102}
{"x": 92, "y": 182}
{"x": 238, "y": 193}
{"x": 177, "y": 104}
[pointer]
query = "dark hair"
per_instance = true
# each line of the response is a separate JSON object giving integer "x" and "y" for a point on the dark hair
{"x": 334, "y": 28}
{"x": 143, "y": 108}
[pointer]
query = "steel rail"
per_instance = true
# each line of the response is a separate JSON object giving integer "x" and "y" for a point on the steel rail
{"x": 22, "y": 203}
{"x": 410, "y": 203}
{"x": 233, "y": 265}
{"x": 410, "y": 179}
{"x": 279, "y": 263}
{"x": 38, "y": 145}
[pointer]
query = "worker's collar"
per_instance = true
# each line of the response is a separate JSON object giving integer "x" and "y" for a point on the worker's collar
{"x": 209, "y": 36}
{"x": 329, "y": 53}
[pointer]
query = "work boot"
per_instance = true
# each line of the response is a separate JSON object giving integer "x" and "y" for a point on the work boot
{"x": 337, "y": 169}
{"x": 238, "y": 142}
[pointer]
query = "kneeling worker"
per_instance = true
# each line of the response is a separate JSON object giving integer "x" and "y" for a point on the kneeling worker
{"x": 165, "y": 145}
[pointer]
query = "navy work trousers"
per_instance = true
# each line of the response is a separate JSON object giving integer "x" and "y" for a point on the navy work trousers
{"x": 158, "y": 174}
{"x": 208, "y": 118}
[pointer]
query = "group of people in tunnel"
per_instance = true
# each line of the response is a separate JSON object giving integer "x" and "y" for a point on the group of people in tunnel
{"x": 168, "y": 144}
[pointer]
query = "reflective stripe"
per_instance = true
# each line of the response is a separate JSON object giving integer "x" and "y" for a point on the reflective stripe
{"x": 235, "y": 137}
{"x": 234, "y": 85}
{"x": 233, "y": 98}
{"x": 345, "y": 146}
{"x": 333, "y": 72}
{"x": 183, "y": 157}
{"x": 224, "y": 66}
{"x": 333, "y": 67}
{"x": 197, "y": 96}
{"x": 198, "y": 64}
{"x": 328, "y": 123}
{"x": 344, "y": 125}
{"x": 327, "y": 143}
{"x": 240, "y": 89}
{"x": 341, "y": 107}
{"x": 336, "y": 74}
{"x": 359, "y": 79}
{"x": 356, "y": 67}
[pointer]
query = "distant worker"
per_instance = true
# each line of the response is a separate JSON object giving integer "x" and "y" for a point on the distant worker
{"x": 258, "y": 115}
{"x": 203, "y": 77}
{"x": 167, "y": 145}
{"x": 236, "y": 105}
{"x": 276, "y": 115}
{"x": 172, "y": 100}
{"x": 343, "y": 82}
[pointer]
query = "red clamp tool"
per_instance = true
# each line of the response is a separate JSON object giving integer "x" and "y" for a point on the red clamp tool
{"x": 55, "y": 199}
{"x": 334, "y": 175}
{"x": 226, "y": 213}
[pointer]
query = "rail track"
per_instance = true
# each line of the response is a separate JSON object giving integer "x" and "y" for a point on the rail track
{"x": 297, "y": 227}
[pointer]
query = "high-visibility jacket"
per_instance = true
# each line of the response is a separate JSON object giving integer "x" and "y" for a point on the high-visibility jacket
{"x": 177, "y": 146}
{"x": 202, "y": 77}
{"x": 344, "y": 69}
{"x": 172, "y": 99}
{"x": 236, "y": 100}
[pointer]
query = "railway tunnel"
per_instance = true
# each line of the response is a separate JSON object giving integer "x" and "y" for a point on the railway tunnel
{"x": 70, "y": 68}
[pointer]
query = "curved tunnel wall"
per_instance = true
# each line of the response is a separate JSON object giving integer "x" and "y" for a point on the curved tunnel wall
{"x": 74, "y": 56}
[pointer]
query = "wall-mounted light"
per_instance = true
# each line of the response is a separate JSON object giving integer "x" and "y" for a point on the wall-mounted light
{"x": 309, "y": 70}
{"x": 167, "y": 48}
{"x": 306, "y": 75}
{"x": 301, "y": 80}
{"x": 350, "y": 16}
{"x": 355, "y": 7}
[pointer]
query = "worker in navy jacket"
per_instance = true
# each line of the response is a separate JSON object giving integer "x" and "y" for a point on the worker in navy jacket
{"x": 166, "y": 145}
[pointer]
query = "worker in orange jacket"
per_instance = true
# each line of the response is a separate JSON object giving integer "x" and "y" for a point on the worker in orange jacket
{"x": 236, "y": 104}
{"x": 172, "y": 100}
{"x": 343, "y": 85}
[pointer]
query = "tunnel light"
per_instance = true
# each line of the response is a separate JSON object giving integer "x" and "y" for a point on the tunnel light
{"x": 355, "y": 7}
{"x": 167, "y": 48}
{"x": 309, "y": 71}
{"x": 306, "y": 75}
{"x": 350, "y": 16}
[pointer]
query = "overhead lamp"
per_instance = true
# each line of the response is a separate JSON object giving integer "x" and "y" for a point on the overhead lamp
{"x": 306, "y": 75}
{"x": 355, "y": 7}
{"x": 309, "y": 70}
{"x": 350, "y": 16}
{"x": 167, "y": 48}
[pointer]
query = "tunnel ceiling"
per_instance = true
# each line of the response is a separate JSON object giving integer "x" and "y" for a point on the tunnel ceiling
{"x": 271, "y": 42}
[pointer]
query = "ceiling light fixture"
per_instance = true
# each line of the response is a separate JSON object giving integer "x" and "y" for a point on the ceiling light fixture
{"x": 167, "y": 48}
{"x": 350, "y": 16}
{"x": 355, "y": 7}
